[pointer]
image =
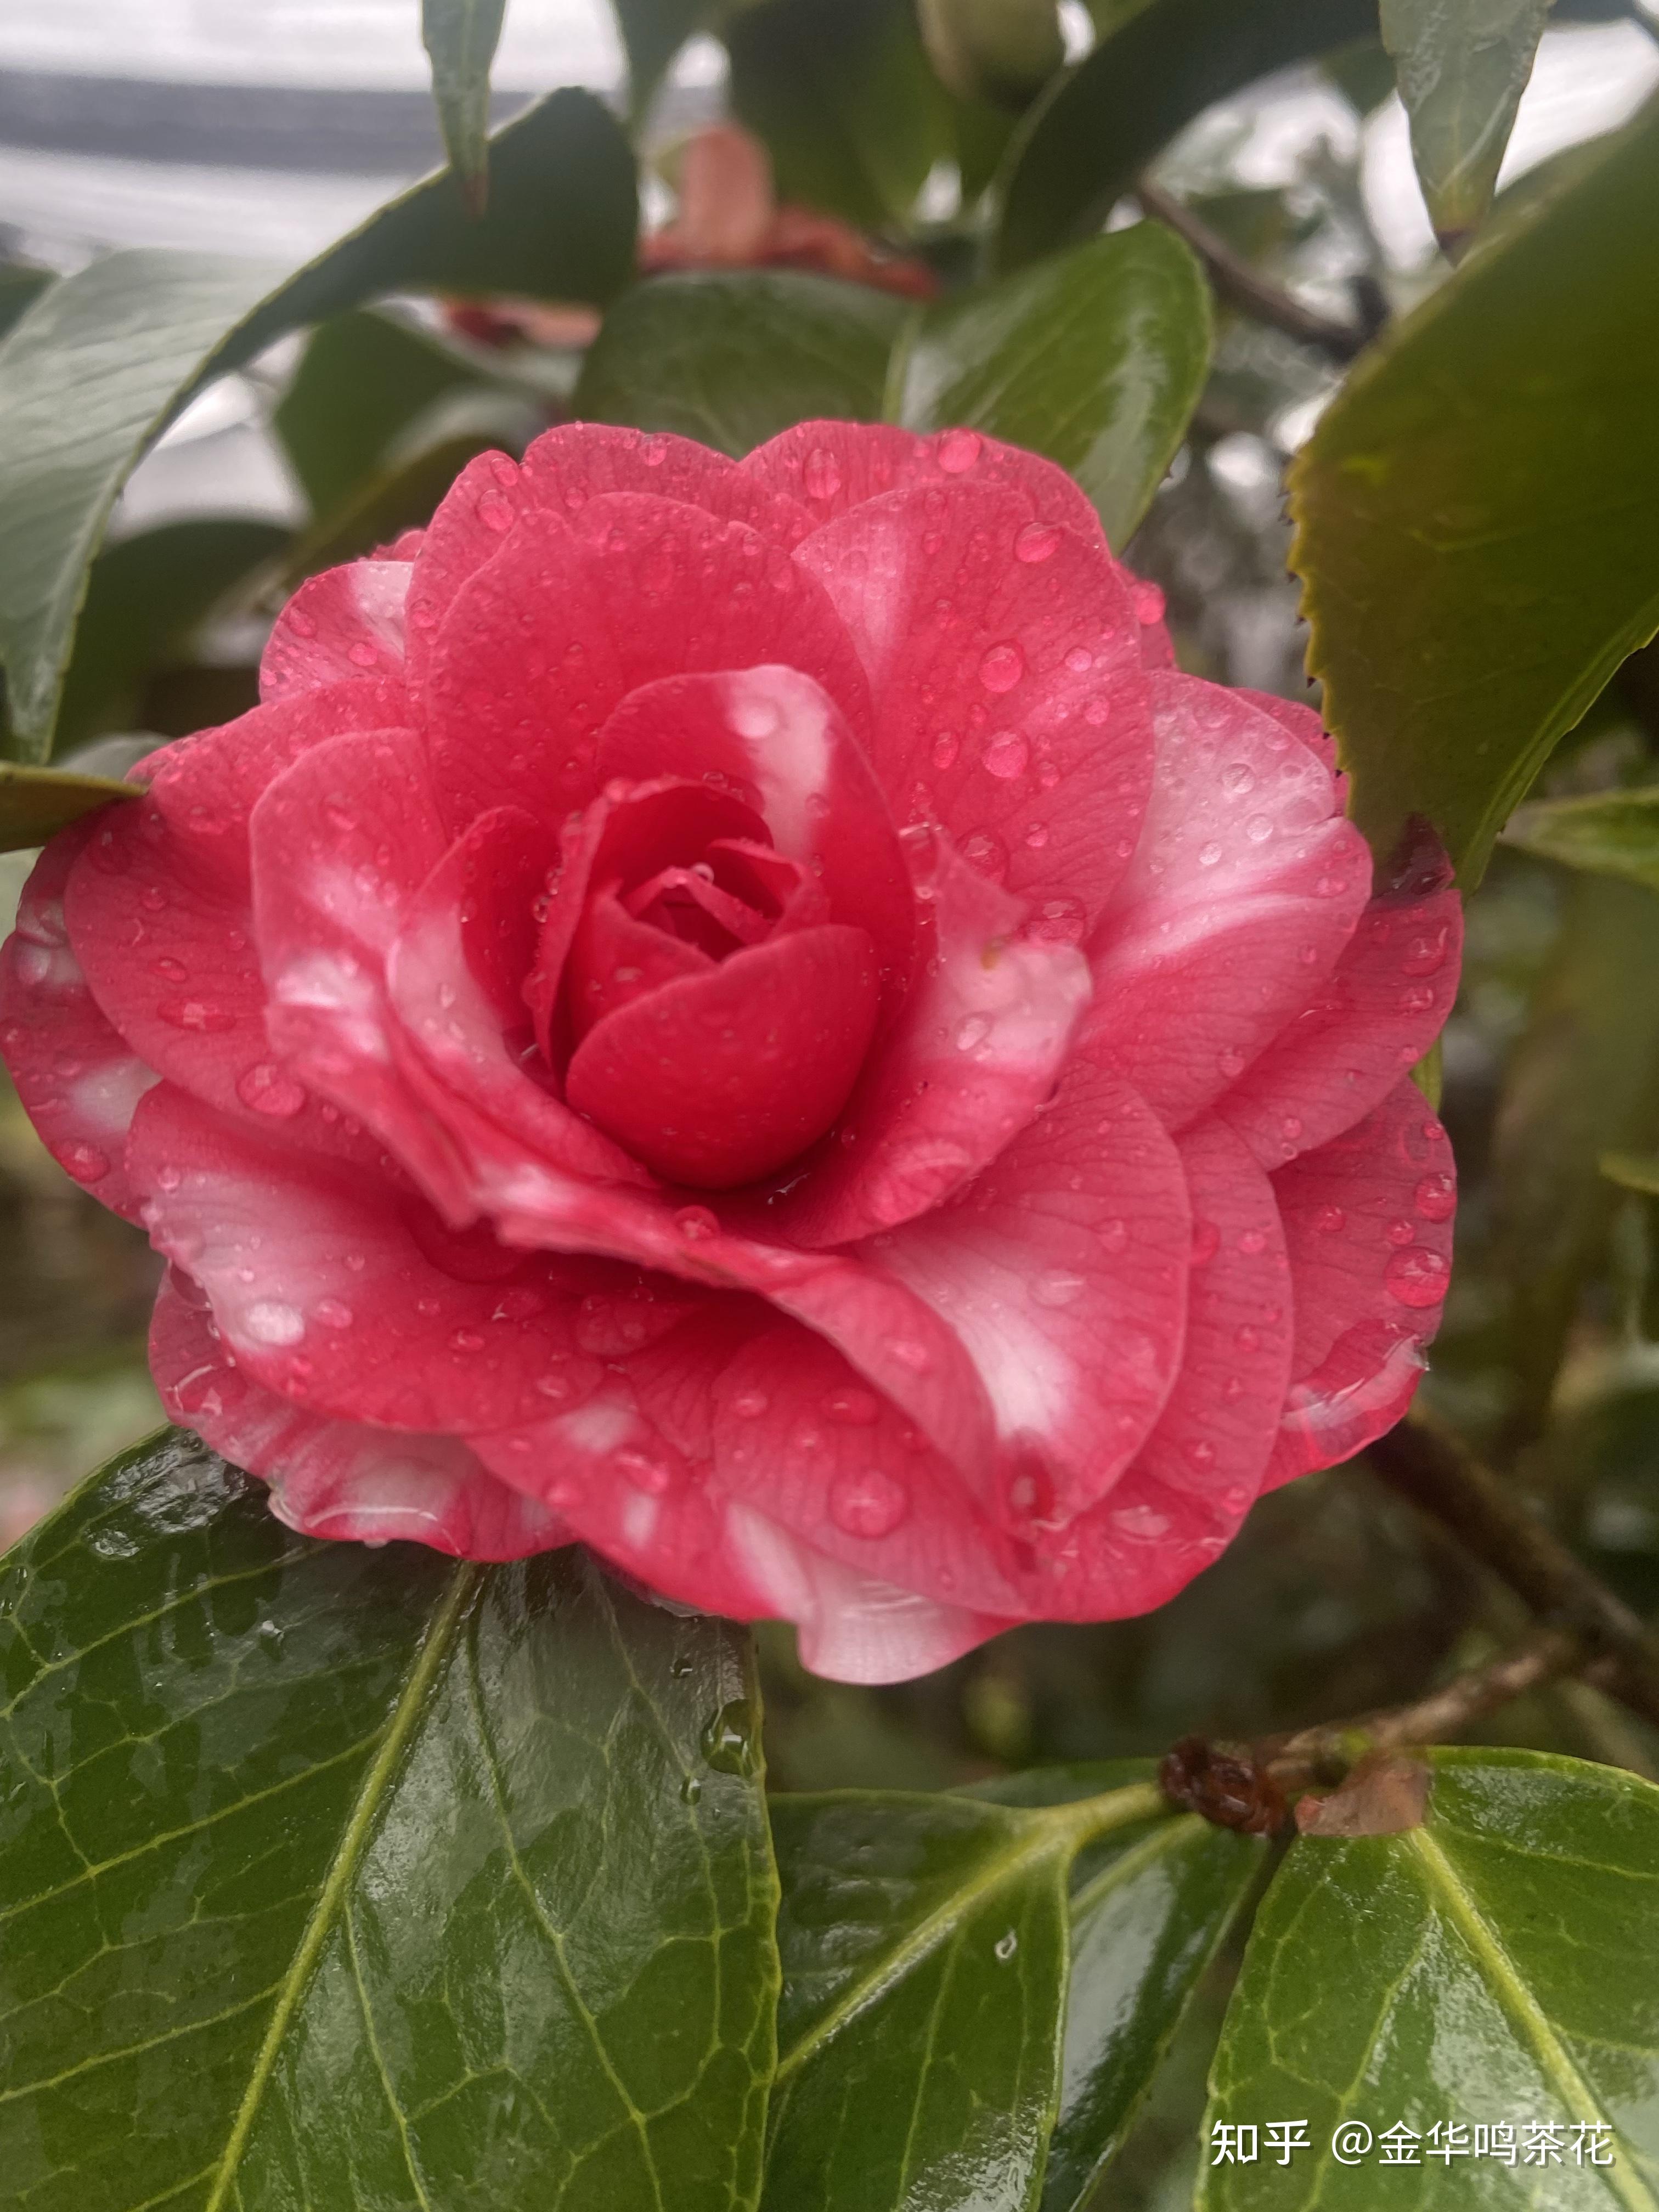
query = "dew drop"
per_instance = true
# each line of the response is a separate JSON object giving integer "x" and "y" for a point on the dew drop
{"x": 1206, "y": 1243}
{"x": 958, "y": 450}
{"x": 750, "y": 1405}
{"x": 1417, "y": 999}
{"x": 945, "y": 748}
{"x": 1425, "y": 955}
{"x": 361, "y": 654}
{"x": 1059, "y": 921}
{"x": 1416, "y": 1276}
{"x": 1056, "y": 1287}
{"x": 1209, "y": 854}
{"x": 1006, "y": 1945}
{"x": 1079, "y": 660}
{"x": 728, "y": 1740}
{"x": 1141, "y": 1523}
{"x": 696, "y": 1223}
{"x": 1038, "y": 541}
{"x": 1399, "y": 1232}
{"x": 653, "y": 1476}
{"x": 494, "y": 513}
{"x": 870, "y": 1504}
{"x": 853, "y": 1407}
{"x": 199, "y": 1016}
{"x": 1001, "y": 666}
{"x": 822, "y": 474}
{"x": 267, "y": 1090}
{"x": 333, "y": 1314}
{"x": 1329, "y": 1220}
{"x": 270, "y": 1321}
{"x": 1200, "y": 1454}
{"x": 1230, "y": 1062}
{"x": 1007, "y": 755}
{"x": 1259, "y": 829}
{"x": 1238, "y": 778}
{"x": 1435, "y": 1198}
{"x": 910, "y": 1354}
{"x": 85, "y": 1163}
{"x": 971, "y": 1032}
{"x": 984, "y": 850}
{"x": 465, "y": 1339}
{"x": 690, "y": 1790}
{"x": 1252, "y": 1242}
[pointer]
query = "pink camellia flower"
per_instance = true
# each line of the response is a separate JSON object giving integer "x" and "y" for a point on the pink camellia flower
{"x": 745, "y": 1014}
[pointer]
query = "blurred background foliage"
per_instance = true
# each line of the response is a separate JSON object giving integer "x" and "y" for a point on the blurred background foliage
{"x": 813, "y": 178}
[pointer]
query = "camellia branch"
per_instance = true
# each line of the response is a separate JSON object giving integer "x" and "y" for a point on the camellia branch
{"x": 1244, "y": 286}
{"x": 1443, "y": 1479}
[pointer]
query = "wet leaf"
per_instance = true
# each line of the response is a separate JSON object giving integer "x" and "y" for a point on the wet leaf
{"x": 1475, "y": 542}
{"x": 842, "y": 93}
{"x": 1611, "y": 833}
{"x": 145, "y": 596}
{"x": 1096, "y": 357}
{"x": 1508, "y": 1974}
{"x": 337, "y": 1877}
{"x": 460, "y": 37}
{"x": 919, "y": 2031}
{"x": 732, "y": 357}
{"x": 1150, "y": 1906}
{"x": 1087, "y": 139}
{"x": 135, "y": 336}
{"x": 35, "y": 803}
{"x": 1461, "y": 66}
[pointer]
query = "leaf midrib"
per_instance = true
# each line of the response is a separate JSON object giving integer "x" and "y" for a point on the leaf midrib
{"x": 434, "y": 1654}
{"x": 1517, "y": 2000}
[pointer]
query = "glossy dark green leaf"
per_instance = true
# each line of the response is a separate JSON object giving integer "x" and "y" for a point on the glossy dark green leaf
{"x": 654, "y": 31}
{"x": 842, "y": 93}
{"x": 732, "y": 357}
{"x": 144, "y": 597}
{"x": 106, "y": 358}
{"x": 35, "y": 803}
{"x": 920, "y": 2031}
{"x": 1461, "y": 66}
{"x": 997, "y": 50}
{"x": 362, "y": 378}
{"x": 460, "y": 37}
{"x": 1474, "y": 512}
{"x": 1149, "y": 1905}
{"x": 1498, "y": 1963}
{"x": 414, "y": 471}
{"x": 1096, "y": 357}
{"x": 337, "y": 1880}
{"x": 1612, "y": 833}
{"x": 1582, "y": 1080}
{"x": 1085, "y": 140}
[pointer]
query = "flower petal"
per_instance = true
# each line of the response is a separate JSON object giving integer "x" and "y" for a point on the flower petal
{"x": 829, "y": 467}
{"x": 346, "y": 623}
{"x": 720, "y": 1078}
{"x": 1368, "y": 1224}
{"x": 77, "y": 1079}
{"x": 1010, "y": 700}
{"x": 1063, "y": 1270}
{"x": 341, "y": 1292}
{"x": 778, "y": 741}
{"x": 336, "y": 1478}
{"x": 1244, "y": 890}
{"x": 633, "y": 590}
{"x": 974, "y": 1052}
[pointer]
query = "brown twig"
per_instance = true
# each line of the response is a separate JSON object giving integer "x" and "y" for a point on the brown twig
{"x": 1324, "y": 1754}
{"x": 1243, "y": 286}
{"x": 1443, "y": 1479}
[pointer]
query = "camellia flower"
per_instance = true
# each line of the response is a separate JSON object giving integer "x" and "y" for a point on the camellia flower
{"x": 745, "y": 1014}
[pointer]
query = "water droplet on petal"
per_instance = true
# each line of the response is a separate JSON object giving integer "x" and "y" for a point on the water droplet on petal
{"x": 1079, "y": 660}
{"x": 1436, "y": 1197}
{"x": 945, "y": 748}
{"x": 268, "y": 1321}
{"x": 750, "y": 1405}
{"x": 1209, "y": 854}
{"x": 362, "y": 653}
{"x": 1206, "y": 1243}
{"x": 465, "y": 1339}
{"x": 1417, "y": 999}
{"x": 1238, "y": 778}
{"x": 494, "y": 513}
{"x": 1141, "y": 1523}
{"x": 1330, "y": 1219}
{"x": 1001, "y": 667}
{"x": 870, "y": 1504}
{"x": 912, "y": 1354}
{"x": 822, "y": 474}
{"x": 1056, "y": 1287}
{"x": 1425, "y": 955}
{"x": 267, "y": 1090}
{"x": 199, "y": 1016}
{"x": 1416, "y": 1276}
{"x": 1007, "y": 755}
{"x": 1038, "y": 541}
{"x": 333, "y": 1314}
{"x": 696, "y": 1223}
{"x": 85, "y": 1162}
{"x": 972, "y": 1030}
{"x": 1230, "y": 1062}
{"x": 958, "y": 450}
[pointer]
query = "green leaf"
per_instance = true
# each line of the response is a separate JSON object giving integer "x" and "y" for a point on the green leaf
{"x": 1611, "y": 833}
{"x": 363, "y": 377}
{"x": 19, "y": 284}
{"x": 1474, "y": 512}
{"x": 1096, "y": 357}
{"x": 732, "y": 357}
{"x": 461, "y": 37}
{"x": 1631, "y": 1171}
{"x": 1087, "y": 139}
{"x": 842, "y": 93}
{"x": 1150, "y": 1907}
{"x": 995, "y": 50}
{"x": 1461, "y": 66}
{"x": 35, "y": 803}
{"x": 144, "y": 597}
{"x": 105, "y": 359}
{"x": 654, "y": 31}
{"x": 924, "y": 1950}
{"x": 337, "y": 1877}
{"x": 1497, "y": 1964}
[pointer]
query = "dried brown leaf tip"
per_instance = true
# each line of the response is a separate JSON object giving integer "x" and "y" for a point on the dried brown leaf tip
{"x": 1225, "y": 1784}
{"x": 1386, "y": 1795}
